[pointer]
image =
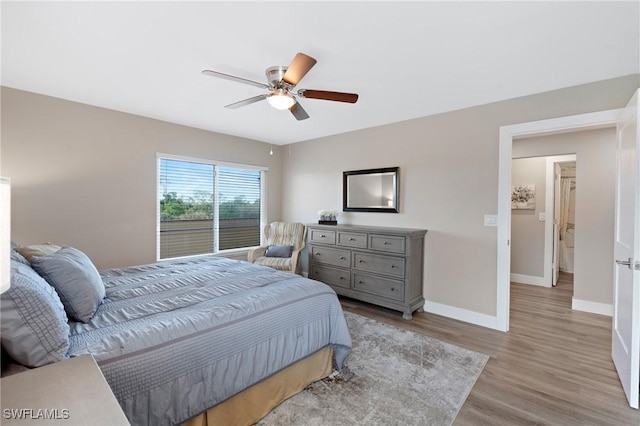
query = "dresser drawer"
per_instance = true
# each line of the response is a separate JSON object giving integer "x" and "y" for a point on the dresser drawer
{"x": 379, "y": 264}
{"x": 352, "y": 239}
{"x": 391, "y": 244}
{"x": 379, "y": 286}
{"x": 330, "y": 256}
{"x": 332, "y": 276}
{"x": 323, "y": 236}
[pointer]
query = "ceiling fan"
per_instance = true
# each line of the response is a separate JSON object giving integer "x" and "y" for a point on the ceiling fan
{"x": 281, "y": 83}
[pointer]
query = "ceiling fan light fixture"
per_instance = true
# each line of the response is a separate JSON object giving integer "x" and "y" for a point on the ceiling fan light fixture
{"x": 281, "y": 101}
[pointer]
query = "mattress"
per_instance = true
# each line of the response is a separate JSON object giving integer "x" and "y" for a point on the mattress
{"x": 176, "y": 338}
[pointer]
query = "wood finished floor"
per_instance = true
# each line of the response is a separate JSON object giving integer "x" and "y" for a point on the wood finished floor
{"x": 553, "y": 367}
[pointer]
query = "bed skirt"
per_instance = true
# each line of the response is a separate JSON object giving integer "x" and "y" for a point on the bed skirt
{"x": 255, "y": 402}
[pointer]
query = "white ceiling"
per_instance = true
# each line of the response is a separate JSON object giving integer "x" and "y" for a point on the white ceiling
{"x": 405, "y": 60}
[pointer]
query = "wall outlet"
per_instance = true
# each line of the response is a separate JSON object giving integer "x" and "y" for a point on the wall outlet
{"x": 491, "y": 220}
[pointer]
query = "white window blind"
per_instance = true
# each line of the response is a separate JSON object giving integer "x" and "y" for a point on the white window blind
{"x": 205, "y": 208}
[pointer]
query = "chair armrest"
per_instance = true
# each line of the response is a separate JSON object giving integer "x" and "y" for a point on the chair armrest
{"x": 296, "y": 266}
{"x": 255, "y": 253}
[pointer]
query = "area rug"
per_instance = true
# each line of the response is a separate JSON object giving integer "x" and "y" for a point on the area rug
{"x": 392, "y": 377}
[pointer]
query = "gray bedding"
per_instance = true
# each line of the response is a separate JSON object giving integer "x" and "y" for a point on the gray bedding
{"x": 176, "y": 338}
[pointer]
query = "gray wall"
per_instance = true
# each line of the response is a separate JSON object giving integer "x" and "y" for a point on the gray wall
{"x": 595, "y": 197}
{"x": 527, "y": 232}
{"x": 86, "y": 176}
{"x": 448, "y": 181}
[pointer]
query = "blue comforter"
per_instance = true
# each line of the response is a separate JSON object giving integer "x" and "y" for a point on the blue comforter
{"x": 176, "y": 338}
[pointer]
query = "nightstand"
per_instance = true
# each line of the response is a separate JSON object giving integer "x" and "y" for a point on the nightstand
{"x": 70, "y": 392}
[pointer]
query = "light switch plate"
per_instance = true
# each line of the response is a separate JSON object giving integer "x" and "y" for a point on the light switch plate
{"x": 542, "y": 217}
{"x": 491, "y": 220}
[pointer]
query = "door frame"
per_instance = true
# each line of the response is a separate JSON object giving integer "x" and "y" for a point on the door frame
{"x": 574, "y": 123}
{"x": 550, "y": 206}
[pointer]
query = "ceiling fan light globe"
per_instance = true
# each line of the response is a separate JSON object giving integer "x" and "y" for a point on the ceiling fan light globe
{"x": 281, "y": 101}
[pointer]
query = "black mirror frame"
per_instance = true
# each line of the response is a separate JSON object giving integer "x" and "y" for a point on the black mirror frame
{"x": 395, "y": 209}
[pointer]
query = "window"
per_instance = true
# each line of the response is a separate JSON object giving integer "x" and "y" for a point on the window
{"x": 205, "y": 207}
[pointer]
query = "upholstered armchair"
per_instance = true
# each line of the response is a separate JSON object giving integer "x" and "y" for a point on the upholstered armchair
{"x": 284, "y": 242}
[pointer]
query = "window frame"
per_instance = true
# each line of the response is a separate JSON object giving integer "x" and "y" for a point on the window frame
{"x": 216, "y": 164}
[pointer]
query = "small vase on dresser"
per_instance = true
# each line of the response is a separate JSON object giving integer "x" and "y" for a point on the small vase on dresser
{"x": 382, "y": 266}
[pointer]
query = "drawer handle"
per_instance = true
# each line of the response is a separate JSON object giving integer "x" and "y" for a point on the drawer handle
{"x": 351, "y": 239}
{"x": 360, "y": 261}
{"x": 317, "y": 254}
{"x": 386, "y": 243}
{"x": 392, "y": 289}
{"x": 323, "y": 236}
{"x": 360, "y": 282}
{"x": 342, "y": 258}
{"x": 393, "y": 266}
{"x": 342, "y": 278}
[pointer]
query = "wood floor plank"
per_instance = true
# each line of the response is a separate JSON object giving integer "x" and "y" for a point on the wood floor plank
{"x": 553, "y": 367}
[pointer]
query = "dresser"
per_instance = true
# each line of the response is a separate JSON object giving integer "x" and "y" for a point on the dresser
{"x": 383, "y": 266}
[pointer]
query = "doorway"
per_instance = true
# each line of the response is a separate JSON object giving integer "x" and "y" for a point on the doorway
{"x": 560, "y": 229}
{"x": 565, "y": 219}
{"x": 542, "y": 231}
{"x": 598, "y": 120}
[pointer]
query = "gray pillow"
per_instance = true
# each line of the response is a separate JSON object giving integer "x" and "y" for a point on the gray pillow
{"x": 34, "y": 326}
{"x": 279, "y": 251}
{"x": 76, "y": 280}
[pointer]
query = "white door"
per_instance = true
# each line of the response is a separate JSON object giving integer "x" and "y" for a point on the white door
{"x": 625, "y": 348}
{"x": 556, "y": 224}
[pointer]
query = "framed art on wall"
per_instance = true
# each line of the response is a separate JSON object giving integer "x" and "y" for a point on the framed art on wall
{"x": 523, "y": 197}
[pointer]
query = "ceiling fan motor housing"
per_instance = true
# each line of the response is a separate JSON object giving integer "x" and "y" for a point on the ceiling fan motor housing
{"x": 275, "y": 75}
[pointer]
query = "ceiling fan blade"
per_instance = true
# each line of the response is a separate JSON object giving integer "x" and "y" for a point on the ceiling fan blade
{"x": 298, "y": 112}
{"x": 234, "y": 78}
{"x": 298, "y": 68}
{"x": 248, "y": 101}
{"x": 351, "y": 98}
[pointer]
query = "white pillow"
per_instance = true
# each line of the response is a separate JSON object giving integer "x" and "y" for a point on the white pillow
{"x": 37, "y": 250}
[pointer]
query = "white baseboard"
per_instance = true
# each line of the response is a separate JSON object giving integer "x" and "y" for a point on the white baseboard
{"x": 459, "y": 314}
{"x": 592, "y": 307}
{"x": 528, "y": 279}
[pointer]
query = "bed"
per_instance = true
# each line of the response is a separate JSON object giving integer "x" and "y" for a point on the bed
{"x": 204, "y": 337}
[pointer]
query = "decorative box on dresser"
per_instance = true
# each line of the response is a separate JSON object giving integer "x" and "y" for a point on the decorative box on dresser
{"x": 383, "y": 266}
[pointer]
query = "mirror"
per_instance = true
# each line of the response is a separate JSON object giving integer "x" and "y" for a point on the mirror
{"x": 373, "y": 190}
